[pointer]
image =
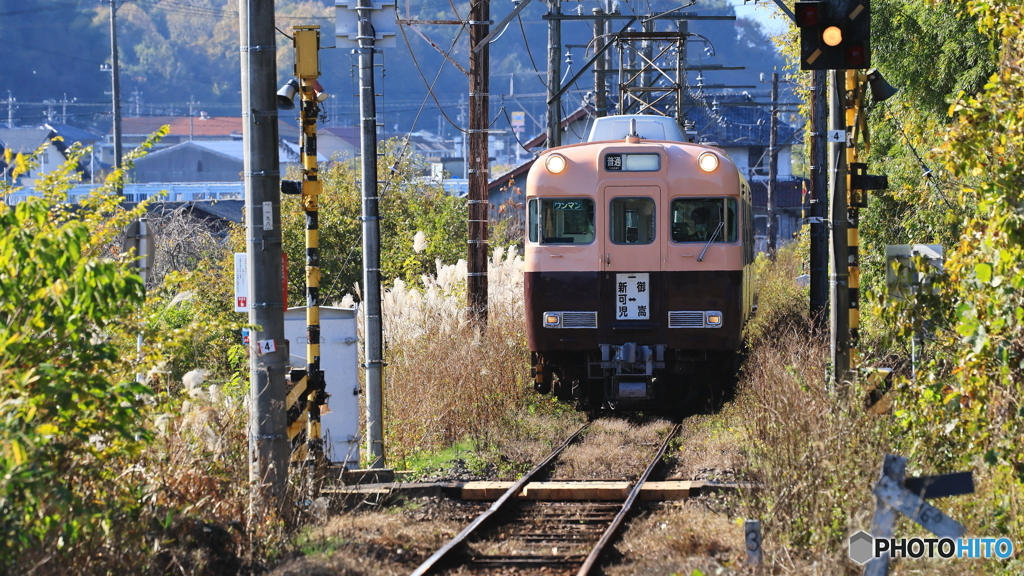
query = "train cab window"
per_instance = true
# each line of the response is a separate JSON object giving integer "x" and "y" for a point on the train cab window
{"x": 632, "y": 220}
{"x": 561, "y": 221}
{"x": 698, "y": 219}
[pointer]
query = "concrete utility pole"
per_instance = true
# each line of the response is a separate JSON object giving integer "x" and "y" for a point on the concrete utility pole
{"x": 479, "y": 84}
{"x": 374, "y": 347}
{"x": 600, "y": 96}
{"x": 773, "y": 169}
{"x": 819, "y": 198}
{"x": 554, "y": 129}
{"x": 268, "y": 443}
{"x": 839, "y": 318}
{"x": 115, "y": 87}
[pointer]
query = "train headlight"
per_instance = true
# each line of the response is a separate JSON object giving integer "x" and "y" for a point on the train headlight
{"x": 552, "y": 320}
{"x": 556, "y": 163}
{"x": 708, "y": 162}
{"x": 713, "y": 319}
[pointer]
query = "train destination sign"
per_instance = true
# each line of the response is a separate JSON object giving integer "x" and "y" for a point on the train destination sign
{"x": 567, "y": 205}
{"x": 632, "y": 162}
{"x": 632, "y": 297}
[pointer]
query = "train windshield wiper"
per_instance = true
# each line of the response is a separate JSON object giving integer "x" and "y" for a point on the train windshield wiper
{"x": 710, "y": 240}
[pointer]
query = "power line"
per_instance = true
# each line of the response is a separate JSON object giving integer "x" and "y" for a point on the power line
{"x": 526, "y": 42}
{"x": 430, "y": 87}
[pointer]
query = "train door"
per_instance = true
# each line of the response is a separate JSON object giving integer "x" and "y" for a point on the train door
{"x": 632, "y": 250}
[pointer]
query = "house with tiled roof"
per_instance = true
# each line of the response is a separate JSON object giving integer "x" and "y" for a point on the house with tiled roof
{"x": 135, "y": 130}
{"x": 203, "y": 161}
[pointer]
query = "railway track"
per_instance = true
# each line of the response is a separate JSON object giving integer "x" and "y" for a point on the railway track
{"x": 548, "y": 537}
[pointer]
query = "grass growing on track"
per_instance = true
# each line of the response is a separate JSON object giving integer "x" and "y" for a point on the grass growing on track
{"x": 613, "y": 449}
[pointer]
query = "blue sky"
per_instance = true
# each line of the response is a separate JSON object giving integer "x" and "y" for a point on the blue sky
{"x": 764, "y": 11}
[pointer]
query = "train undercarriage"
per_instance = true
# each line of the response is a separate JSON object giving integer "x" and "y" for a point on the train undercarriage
{"x": 634, "y": 377}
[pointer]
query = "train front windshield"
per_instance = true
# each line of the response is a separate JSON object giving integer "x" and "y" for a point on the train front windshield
{"x": 562, "y": 221}
{"x": 698, "y": 219}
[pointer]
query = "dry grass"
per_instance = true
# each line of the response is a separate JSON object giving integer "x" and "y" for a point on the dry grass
{"x": 446, "y": 380}
{"x": 526, "y": 441}
{"x": 679, "y": 540}
{"x": 388, "y": 542}
{"x": 613, "y": 449}
{"x": 711, "y": 448}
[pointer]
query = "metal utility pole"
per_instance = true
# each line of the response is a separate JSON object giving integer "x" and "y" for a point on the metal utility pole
{"x": 647, "y": 54}
{"x": 268, "y": 443}
{"x": 374, "y": 347}
{"x": 684, "y": 30}
{"x": 600, "y": 97}
{"x": 819, "y": 198}
{"x": 479, "y": 83}
{"x": 554, "y": 128}
{"x": 773, "y": 168}
{"x": 115, "y": 87}
{"x": 839, "y": 319}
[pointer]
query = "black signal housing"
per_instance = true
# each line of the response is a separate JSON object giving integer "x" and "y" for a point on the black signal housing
{"x": 852, "y": 17}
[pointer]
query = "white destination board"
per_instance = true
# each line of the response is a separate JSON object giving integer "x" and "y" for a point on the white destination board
{"x": 632, "y": 297}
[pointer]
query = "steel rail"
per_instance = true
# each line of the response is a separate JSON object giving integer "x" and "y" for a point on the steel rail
{"x": 627, "y": 506}
{"x": 511, "y": 493}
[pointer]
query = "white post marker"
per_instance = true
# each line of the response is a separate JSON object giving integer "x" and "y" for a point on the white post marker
{"x": 752, "y": 535}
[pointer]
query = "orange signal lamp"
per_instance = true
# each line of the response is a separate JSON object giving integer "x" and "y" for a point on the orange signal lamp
{"x": 832, "y": 36}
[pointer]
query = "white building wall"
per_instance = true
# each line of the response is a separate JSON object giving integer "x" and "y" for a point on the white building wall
{"x": 741, "y": 158}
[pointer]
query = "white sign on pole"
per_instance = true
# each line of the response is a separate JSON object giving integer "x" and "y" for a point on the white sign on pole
{"x": 268, "y": 216}
{"x": 266, "y": 346}
{"x": 241, "y": 283}
{"x": 632, "y": 297}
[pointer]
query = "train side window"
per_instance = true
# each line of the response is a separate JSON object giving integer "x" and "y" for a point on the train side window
{"x": 632, "y": 220}
{"x": 561, "y": 221}
{"x": 696, "y": 219}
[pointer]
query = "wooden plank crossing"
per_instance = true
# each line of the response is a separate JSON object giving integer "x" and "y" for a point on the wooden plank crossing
{"x": 575, "y": 490}
{"x": 608, "y": 491}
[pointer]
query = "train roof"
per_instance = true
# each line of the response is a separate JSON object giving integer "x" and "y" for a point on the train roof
{"x": 648, "y": 127}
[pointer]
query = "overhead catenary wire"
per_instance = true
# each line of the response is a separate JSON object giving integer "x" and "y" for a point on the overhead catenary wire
{"x": 529, "y": 53}
{"x": 430, "y": 86}
{"x": 927, "y": 170}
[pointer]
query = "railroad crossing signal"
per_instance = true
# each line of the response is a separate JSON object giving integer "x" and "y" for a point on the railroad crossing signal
{"x": 834, "y": 34}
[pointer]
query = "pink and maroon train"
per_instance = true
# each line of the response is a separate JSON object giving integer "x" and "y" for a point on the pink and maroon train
{"x": 638, "y": 268}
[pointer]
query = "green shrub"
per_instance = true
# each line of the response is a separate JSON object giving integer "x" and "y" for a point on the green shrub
{"x": 66, "y": 416}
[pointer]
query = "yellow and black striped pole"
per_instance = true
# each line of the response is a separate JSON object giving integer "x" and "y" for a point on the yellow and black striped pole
{"x": 309, "y": 392}
{"x": 856, "y": 199}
